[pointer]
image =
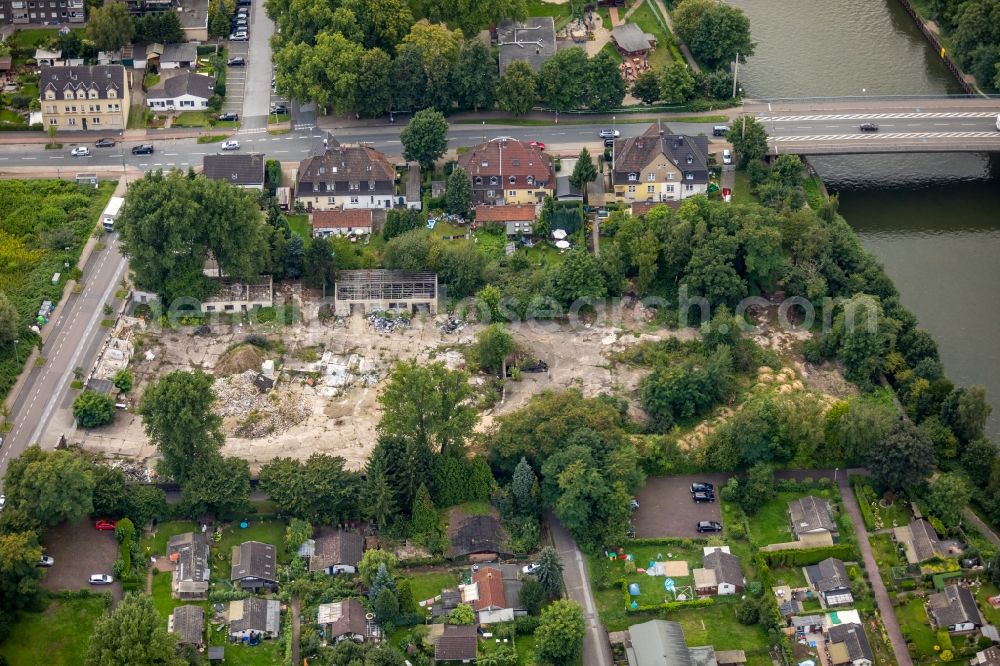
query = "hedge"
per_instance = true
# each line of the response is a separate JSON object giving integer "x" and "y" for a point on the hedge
{"x": 806, "y": 556}
{"x": 665, "y": 606}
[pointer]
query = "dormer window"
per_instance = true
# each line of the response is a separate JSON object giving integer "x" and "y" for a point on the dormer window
{"x": 112, "y": 94}
{"x": 484, "y": 164}
{"x": 479, "y": 180}
{"x": 368, "y": 168}
{"x": 633, "y": 177}
{"x": 49, "y": 94}
{"x": 371, "y": 185}
{"x": 68, "y": 94}
{"x": 531, "y": 180}
{"x": 689, "y": 175}
{"x": 322, "y": 170}
{"x": 494, "y": 180}
{"x": 81, "y": 95}
{"x": 512, "y": 179}
{"x": 93, "y": 94}
{"x": 516, "y": 162}
{"x": 690, "y": 158}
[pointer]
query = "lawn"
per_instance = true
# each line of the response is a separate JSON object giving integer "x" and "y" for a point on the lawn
{"x": 32, "y": 37}
{"x": 428, "y": 585}
{"x": 267, "y": 653}
{"x": 191, "y": 119}
{"x": 791, "y": 576}
{"x": 524, "y": 645}
{"x": 57, "y": 636}
{"x": 156, "y": 544}
{"x": 741, "y": 188}
{"x": 986, "y": 591}
{"x": 770, "y": 524}
{"x": 299, "y": 224}
{"x": 914, "y": 625}
{"x": 10, "y": 117}
{"x": 651, "y": 588}
{"x": 717, "y": 626}
{"x": 647, "y": 21}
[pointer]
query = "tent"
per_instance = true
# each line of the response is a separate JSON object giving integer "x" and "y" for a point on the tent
{"x": 633, "y": 589}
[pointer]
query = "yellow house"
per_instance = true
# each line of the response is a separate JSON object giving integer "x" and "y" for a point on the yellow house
{"x": 85, "y": 97}
{"x": 507, "y": 171}
{"x": 660, "y": 167}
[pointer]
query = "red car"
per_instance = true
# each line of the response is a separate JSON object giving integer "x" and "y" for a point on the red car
{"x": 106, "y": 525}
{"x": 537, "y": 144}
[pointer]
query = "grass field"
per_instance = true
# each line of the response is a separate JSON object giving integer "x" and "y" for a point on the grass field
{"x": 267, "y": 653}
{"x": 651, "y": 588}
{"x": 770, "y": 524}
{"x": 429, "y": 585}
{"x": 914, "y": 625}
{"x": 32, "y": 37}
{"x": 57, "y": 636}
{"x": 741, "y": 188}
{"x": 647, "y": 21}
{"x": 717, "y": 626}
{"x": 156, "y": 545}
{"x": 299, "y": 224}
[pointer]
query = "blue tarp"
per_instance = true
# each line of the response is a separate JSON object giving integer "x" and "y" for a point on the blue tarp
{"x": 633, "y": 589}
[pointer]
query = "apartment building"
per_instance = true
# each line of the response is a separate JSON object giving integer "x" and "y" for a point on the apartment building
{"x": 84, "y": 97}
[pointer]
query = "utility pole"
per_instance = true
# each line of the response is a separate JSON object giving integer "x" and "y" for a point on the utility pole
{"x": 736, "y": 72}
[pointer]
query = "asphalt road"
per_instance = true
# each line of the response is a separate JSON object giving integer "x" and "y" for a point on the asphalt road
{"x": 257, "y": 88}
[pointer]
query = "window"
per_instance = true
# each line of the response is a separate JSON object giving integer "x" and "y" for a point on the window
{"x": 670, "y": 188}
{"x": 670, "y": 176}
{"x": 689, "y": 175}
{"x": 53, "y": 121}
{"x": 516, "y": 162}
{"x": 354, "y": 200}
{"x": 479, "y": 180}
{"x": 354, "y": 186}
{"x": 68, "y": 94}
{"x": 322, "y": 170}
{"x": 632, "y": 177}
{"x": 631, "y": 189}
{"x": 230, "y": 308}
{"x": 512, "y": 193}
{"x": 112, "y": 94}
{"x": 331, "y": 200}
{"x": 95, "y": 121}
{"x": 531, "y": 180}
{"x": 93, "y": 94}
{"x": 512, "y": 179}
{"x": 651, "y": 176}
{"x": 114, "y": 107}
{"x": 491, "y": 193}
{"x": 651, "y": 189}
{"x": 368, "y": 168}
{"x": 371, "y": 186}
{"x": 210, "y": 308}
{"x": 690, "y": 158}
{"x": 49, "y": 94}
{"x": 494, "y": 180}
{"x": 688, "y": 188}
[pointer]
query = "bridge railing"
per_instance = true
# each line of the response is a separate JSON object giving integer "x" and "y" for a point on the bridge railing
{"x": 748, "y": 101}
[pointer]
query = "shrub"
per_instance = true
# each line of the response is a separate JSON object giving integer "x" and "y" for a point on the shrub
{"x": 93, "y": 410}
{"x": 526, "y": 625}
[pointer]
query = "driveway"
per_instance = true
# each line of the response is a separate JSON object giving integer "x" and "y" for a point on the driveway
{"x": 80, "y": 550}
{"x": 257, "y": 91}
{"x": 667, "y": 510}
{"x": 596, "y": 650}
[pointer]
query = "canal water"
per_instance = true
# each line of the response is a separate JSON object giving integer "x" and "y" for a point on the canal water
{"x": 932, "y": 219}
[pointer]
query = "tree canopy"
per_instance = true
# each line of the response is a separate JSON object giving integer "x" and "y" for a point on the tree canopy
{"x": 49, "y": 486}
{"x": 133, "y": 633}
{"x": 425, "y": 138}
{"x": 318, "y": 490}
{"x": 110, "y": 26}
{"x": 559, "y": 637}
{"x": 717, "y": 33}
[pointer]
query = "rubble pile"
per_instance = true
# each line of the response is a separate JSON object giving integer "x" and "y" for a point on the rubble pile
{"x": 340, "y": 373}
{"x": 451, "y": 324}
{"x": 261, "y": 413}
{"x": 384, "y": 323}
{"x": 133, "y": 470}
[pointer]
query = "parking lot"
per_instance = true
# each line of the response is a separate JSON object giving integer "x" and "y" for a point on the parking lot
{"x": 667, "y": 510}
{"x": 80, "y": 550}
{"x": 236, "y": 78}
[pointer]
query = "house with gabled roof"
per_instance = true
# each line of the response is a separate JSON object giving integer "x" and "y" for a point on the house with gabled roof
{"x": 186, "y": 91}
{"x": 830, "y": 580}
{"x": 346, "y": 620}
{"x": 988, "y": 657}
{"x": 954, "y": 609}
{"x": 508, "y": 171}
{"x": 848, "y": 646}
{"x": 350, "y": 222}
{"x": 657, "y": 166}
{"x": 518, "y": 219}
{"x": 812, "y": 517}
{"x": 188, "y": 623}
{"x": 457, "y": 642}
{"x": 189, "y": 553}
{"x": 476, "y": 537}
{"x": 919, "y": 540}
{"x": 254, "y": 615}
{"x": 335, "y": 553}
{"x": 244, "y": 170}
{"x": 255, "y": 565}
{"x": 720, "y": 574}
{"x": 91, "y": 97}
{"x": 346, "y": 176}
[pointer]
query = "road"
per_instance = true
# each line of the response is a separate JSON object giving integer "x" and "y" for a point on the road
{"x": 596, "y": 651}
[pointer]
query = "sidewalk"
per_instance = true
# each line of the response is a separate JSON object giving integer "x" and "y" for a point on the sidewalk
{"x": 89, "y": 136}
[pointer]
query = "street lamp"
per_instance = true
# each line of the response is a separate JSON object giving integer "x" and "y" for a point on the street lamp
{"x": 16, "y": 356}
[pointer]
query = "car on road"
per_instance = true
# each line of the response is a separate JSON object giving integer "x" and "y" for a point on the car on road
{"x": 703, "y": 497}
{"x": 530, "y": 569}
{"x": 46, "y": 561}
{"x": 537, "y": 144}
{"x": 229, "y": 117}
{"x": 869, "y": 127}
{"x": 80, "y": 151}
{"x": 101, "y": 579}
{"x": 279, "y": 110}
{"x": 142, "y": 149}
{"x": 232, "y": 144}
{"x": 727, "y": 156}
{"x": 701, "y": 487}
{"x": 237, "y": 62}
{"x": 106, "y": 525}
{"x": 240, "y": 36}
{"x": 720, "y": 130}
{"x": 709, "y": 526}
{"x": 104, "y": 143}
{"x": 610, "y": 134}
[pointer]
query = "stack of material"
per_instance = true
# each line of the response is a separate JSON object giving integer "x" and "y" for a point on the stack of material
{"x": 261, "y": 414}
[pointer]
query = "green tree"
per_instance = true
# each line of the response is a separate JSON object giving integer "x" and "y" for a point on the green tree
{"x": 676, "y": 82}
{"x": 458, "y": 196}
{"x": 382, "y": 581}
{"x": 977, "y": 460}
{"x": 966, "y": 411}
{"x": 217, "y": 485}
{"x": 19, "y": 572}
{"x": 647, "y": 87}
{"x": 92, "y": 409}
{"x": 862, "y": 336}
{"x": 563, "y": 80}
{"x": 384, "y": 655}
{"x": 757, "y": 489}
{"x": 383, "y": 22}
{"x": 8, "y": 321}
{"x": 409, "y": 79}
{"x": 462, "y": 614}
{"x": 716, "y": 32}
{"x": 386, "y": 607}
{"x": 461, "y": 267}
{"x": 533, "y": 596}
{"x": 550, "y": 571}
{"x": 220, "y": 15}
{"x": 372, "y": 561}
{"x": 381, "y": 502}
{"x": 133, "y": 633}
{"x": 325, "y": 73}
{"x": 297, "y": 533}
{"x": 493, "y": 344}
{"x": 518, "y": 88}
{"x": 110, "y": 491}
{"x": 524, "y": 488}
{"x": 49, "y": 486}
{"x": 374, "y": 84}
{"x": 605, "y": 86}
{"x": 787, "y": 169}
{"x": 578, "y": 277}
{"x": 427, "y": 404}
{"x": 425, "y": 520}
{"x": 318, "y": 489}
{"x": 110, "y": 26}
{"x": 399, "y": 221}
{"x": 584, "y": 173}
{"x": 123, "y": 380}
{"x": 178, "y": 417}
{"x": 853, "y": 428}
{"x": 425, "y": 138}
{"x": 949, "y": 494}
{"x": 319, "y": 264}
{"x": 904, "y": 458}
{"x": 475, "y": 75}
{"x": 144, "y": 503}
{"x": 559, "y": 637}
{"x": 749, "y": 140}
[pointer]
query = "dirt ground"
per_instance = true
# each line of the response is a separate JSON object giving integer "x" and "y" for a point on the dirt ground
{"x": 667, "y": 510}
{"x": 79, "y": 550}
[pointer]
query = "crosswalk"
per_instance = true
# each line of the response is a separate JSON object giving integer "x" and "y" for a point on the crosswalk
{"x": 886, "y": 136}
{"x": 878, "y": 116}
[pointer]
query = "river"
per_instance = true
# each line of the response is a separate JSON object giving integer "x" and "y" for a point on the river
{"x": 932, "y": 219}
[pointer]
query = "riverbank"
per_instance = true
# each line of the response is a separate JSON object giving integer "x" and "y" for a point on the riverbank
{"x": 932, "y": 33}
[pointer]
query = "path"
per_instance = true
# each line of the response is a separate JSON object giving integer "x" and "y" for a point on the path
{"x": 596, "y": 651}
{"x": 878, "y": 587}
{"x": 613, "y": 13}
{"x": 692, "y": 63}
{"x": 296, "y": 631}
{"x": 983, "y": 528}
{"x": 631, "y": 10}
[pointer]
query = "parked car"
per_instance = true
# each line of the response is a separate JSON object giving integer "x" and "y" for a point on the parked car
{"x": 232, "y": 144}
{"x": 869, "y": 127}
{"x": 530, "y": 569}
{"x": 701, "y": 487}
{"x": 243, "y": 3}
{"x": 240, "y": 25}
{"x": 142, "y": 149}
{"x": 237, "y": 62}
{"x": 240, "y": 36}
{"x": 104, "y": 143}
{"x": 709, "y": 526}
{"x": 106, "y": 525}
{"x": 243, "y": 11}
{"x": 703, "y": 497}
{"x": 80, "y": 151}
{"x": 537, "y": 144}
{"x": 634, "y": 504}
{"x": 720, "y": 130}
{"x": 727, "y": 156}
{"x": 46, "y": 561}
{"x": 610, "y": 134}
{"x": 101, "y": 579}
{"x": 609, "y": 143}
{"x": 280, "y": 110}
{"x": 231, "y": 117}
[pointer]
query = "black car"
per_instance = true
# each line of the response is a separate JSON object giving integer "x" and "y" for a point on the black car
{"x": 142, "y": 149}
{"x": 237, "y": 62}
{"x": 869, "y": 127}
{"x": 699, "y": 487}
{"x": 105, "y": 143}
{"x": 709, "y": 526}
{"x": 280, "y": 110}
{"x": 703, "y": 497}
{"x": 232, "y": 117}
{"x": 609, "y": 143}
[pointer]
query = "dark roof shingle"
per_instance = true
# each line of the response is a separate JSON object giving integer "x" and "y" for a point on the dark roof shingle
{"x": 688, "y": 153}
{"x": 853, "y": 636}
{"x": 189, "y": 624}
{"x": 101, "y": 78}
{"x": 955, "y": 605}
{"x": 185, "y": 83}
{"x": 809, "y": 514}
{"x": 726, "y": 567}
{"x": 456, "y": 643}
{"x": 239, "y": 169}
{"x": 339, "y": 548}
{"x": 253, "y": 559}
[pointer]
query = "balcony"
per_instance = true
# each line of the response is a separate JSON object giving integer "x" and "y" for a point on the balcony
{"x": 75, "y": 4}
{"x": 77, "y": 17}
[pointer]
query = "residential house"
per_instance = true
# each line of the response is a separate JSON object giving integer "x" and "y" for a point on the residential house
{"x": 84, "y": 97}
{"x": 508, "y": 171}
{"x": 189, "y": 553}
{"x": 919, "y": 541}
{"x": 812, "y": 518}
{"x": 186, "y": 91}
{"x": 19, "y": 12}
{"x": 254, "y": 615}
{"x": 954, "y": 609}
{"x": 518, "y": 220}
{"x": 346, "y": 620}
{"x": 988, "y": 657}
{"x": 47, "y": 58}
{"x": 532, "y": 41}
{"x": 336, "y": 553}
{"x": 352, "y": 222}
{"x": 346, "y": 177}
{"x": 456, "y": 643}
{"x": 720, "y": 573}
{"x": 631, "y": 40}
{"x": 567, "y": 191}
{"x": 188, "y": 622}
{"x": 830, "y": 580}
{"x": 448, "y": 601}
{"x": 497, "y": 593}
{"x": 848, "y": 645}
{"x": 255, "y": 565}
{"x": 477, "y": 537}
{"x": 662, "y": 643}
{"x": 657, "y": 166}
{"x": 806, "y": 624}
{"x": 245, "y": 170}
{"x": 176, "y": 56}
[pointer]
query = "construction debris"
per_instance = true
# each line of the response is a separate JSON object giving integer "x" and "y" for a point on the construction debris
{"x": 132, "y": 469}
{"x": 260, "y": 414}
{"x": 451, "y": 324}
{"x": 382, "y": 322}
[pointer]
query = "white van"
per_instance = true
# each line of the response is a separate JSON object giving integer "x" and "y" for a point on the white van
{"x": 111, "y": 213}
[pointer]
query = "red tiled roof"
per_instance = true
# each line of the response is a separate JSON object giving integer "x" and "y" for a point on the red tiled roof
{"x": 341, "y": 219}
{"x": 491, "y": 594}
{"x": 515, "y": 213}
{"x": 505, "y": 158}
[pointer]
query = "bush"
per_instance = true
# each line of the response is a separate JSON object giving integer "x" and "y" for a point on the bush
{"x": 93, "y": 410}
{"x": 526, "y": 625}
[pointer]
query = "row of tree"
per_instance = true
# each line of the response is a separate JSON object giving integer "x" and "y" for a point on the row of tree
{"x": 111, "y": 26}
{"x": 973, "y": 31}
